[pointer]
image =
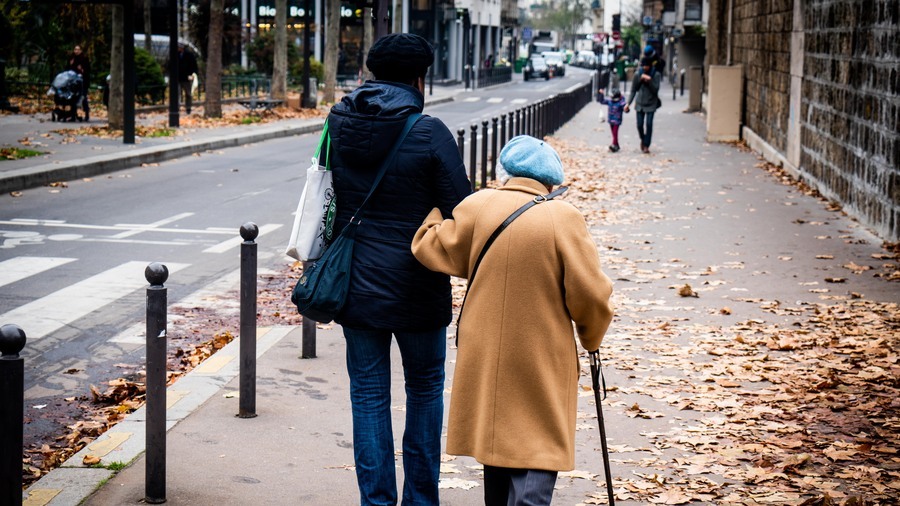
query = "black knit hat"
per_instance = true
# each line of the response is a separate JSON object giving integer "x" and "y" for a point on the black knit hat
{"x": 400, "y": 57}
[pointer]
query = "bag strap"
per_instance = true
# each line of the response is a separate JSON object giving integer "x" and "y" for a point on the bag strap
{"x": 326, "y": 140}
{"x": 410, "y": 121}
{"x": 518, "y": 212}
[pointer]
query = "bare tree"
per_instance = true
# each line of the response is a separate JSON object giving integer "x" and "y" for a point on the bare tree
{"x": 279, "y": 69}
{"x": 148, "y": 31}
{"x": 368, "y": 39}
{"x": 398, "y": 16}
{"x": 332, "y": 32}
{"x": 116, "y": 107}
{"x": 213, "y": 108}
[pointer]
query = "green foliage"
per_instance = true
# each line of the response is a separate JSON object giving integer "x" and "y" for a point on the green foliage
{"x": 151, "y": 85}
{"x": 262, "y": 53}
{"x": 565, "y": 17}
{"x": 631, "y": 39}
{"x": 17, "y": 153}
{"x": 39, "y": 36}
{"x": 198, "y": 26}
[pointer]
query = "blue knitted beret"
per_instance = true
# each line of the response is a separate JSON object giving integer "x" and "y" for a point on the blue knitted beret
{"x": 525, "y": 156}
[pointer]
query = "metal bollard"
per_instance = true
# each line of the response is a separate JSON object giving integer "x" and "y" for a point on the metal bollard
{"x": 484, "y": 153}
{"x": 510, "y": 131}
{"x": 473, "y": 156}
{"x": 247, "y": 403}
{"x": 494, "y": 136}
{"x": 503, "y": 138}
{"x": 461, "y": 143}
{"x": 155, "y": 471}
{"x": 518, "y": 129}
{"x": 308, "y": 345}
{"x": 12, "y": 398}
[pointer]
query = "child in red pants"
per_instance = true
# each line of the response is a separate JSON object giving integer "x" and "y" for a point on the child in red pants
{"x": 616, "y": 104}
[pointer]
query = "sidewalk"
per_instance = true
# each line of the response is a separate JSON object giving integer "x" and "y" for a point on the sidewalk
{"x": 77, "y": 156}
{"x": 691, "y": 212}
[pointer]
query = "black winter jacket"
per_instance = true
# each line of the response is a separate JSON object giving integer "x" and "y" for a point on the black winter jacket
{"x": 389, "y": 288}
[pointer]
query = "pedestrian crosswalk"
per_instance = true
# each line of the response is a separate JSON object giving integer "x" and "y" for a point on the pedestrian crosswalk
{"x": 496, "y": 100}
{"x": 45, "y": 315}
{"x": 19, "y": 268}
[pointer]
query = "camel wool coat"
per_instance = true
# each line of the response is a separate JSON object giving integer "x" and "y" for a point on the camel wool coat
{"x": 515, "y": 388}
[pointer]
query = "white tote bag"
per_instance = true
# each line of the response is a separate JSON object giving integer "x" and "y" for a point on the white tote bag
{"x": 315, "y": 212}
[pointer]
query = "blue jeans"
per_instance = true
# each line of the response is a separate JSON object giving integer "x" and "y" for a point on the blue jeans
{"x": 369, "y": 367}
{"x": 646, "y": 135}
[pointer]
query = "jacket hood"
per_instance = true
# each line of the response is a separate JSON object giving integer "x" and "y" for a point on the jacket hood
{"x": 364, "y": 124}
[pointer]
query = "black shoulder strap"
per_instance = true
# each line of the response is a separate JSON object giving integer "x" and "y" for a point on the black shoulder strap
{"x": 410, "y": 121}
{"x": 518, "y": 212}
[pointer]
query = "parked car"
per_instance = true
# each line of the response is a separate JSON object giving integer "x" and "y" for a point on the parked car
{"x": 536, "y": 67}
{"x": 586, "y": 59}
{"x": 555, "y": 60}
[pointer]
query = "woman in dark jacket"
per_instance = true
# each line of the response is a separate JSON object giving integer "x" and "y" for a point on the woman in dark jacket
{"x": 392, "y": 294}
{"x": 645, "y": 89}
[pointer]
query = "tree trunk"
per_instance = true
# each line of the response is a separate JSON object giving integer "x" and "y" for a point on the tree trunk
{"x": 213, "y": 108}
{"x": 397, "y": 16}
{"x": 368, "y": 36}
{"x": 279, "y": 70}
{"x": 332, "y": 33}
{"x": 148, "y": 31}
{"x": 116, "y": 109}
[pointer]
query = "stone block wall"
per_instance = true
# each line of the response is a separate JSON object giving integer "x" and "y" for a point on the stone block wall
{"x": 851, "y": 107}
{"x": 762, "y": 44}
{"x": 849, "y": 111}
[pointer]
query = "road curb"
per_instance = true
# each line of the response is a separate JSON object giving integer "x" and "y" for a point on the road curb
{"x": 73, "y": 482}
{"x": 42, "y": 175}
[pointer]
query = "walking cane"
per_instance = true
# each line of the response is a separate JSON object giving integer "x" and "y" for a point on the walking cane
{"x": 596, "y": 376}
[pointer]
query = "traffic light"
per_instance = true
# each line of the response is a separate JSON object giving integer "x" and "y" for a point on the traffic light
{"x": 617, "y": 22}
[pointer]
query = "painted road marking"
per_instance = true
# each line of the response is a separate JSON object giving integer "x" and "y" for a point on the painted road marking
{"x": 495, "y": 100}
{"x": 472, "y": 99}
{"x": 102, "y": 448}
{"x": 518, "y": 101}
{"x": 173, "y": 396}
{"x": 19, "y": 268}
{"x": 137, "y": 229}
{"x": 234, "y": 242}
{"x": 22, "y": 222}
{"x": 214, "y": 364}
{"x": 214, "y": 291}
{"x": 62, "y": 307}
{"x": 40, "y": 496}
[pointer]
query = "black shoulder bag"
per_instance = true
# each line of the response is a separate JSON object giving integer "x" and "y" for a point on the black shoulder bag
{"x": 518, "y": 212}
{"x": 321, "y": 291}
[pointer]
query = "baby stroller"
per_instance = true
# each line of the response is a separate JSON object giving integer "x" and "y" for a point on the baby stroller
{"x": 68, "y": 93}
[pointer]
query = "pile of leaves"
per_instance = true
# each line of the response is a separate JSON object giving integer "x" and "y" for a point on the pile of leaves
{"x": 796, "y": 404}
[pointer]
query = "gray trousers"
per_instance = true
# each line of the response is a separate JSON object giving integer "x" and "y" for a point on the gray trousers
{"x": 186, "y": 94}
{"x": 518, "y": 487}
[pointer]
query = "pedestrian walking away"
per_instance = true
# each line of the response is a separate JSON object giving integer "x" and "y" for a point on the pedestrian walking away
{"x": 645, "y": 95}
{"x": 187, "y": 70}
{"x": 515, "y": 388}
{"x": 80, "y": 64}
{"x": 616, "y": 104}
{"x": 390, "y": 293}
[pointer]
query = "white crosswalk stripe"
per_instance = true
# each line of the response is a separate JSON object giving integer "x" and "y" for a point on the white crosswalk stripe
{"x": 234, "y": 242}
{"x": 212, "y": 292}
{"x": 19, "y": 268}
{"x": 62, "y": 307}
{"x": 495, "y": 100}
{"x": 472, "y": 99}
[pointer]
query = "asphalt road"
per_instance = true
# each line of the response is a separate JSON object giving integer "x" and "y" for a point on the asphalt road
{"x": 72, "y": 259}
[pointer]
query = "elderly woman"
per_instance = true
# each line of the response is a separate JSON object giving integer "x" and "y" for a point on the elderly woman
{"x": 515, "y": 389}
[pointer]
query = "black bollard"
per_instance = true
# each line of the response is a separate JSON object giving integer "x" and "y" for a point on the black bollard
{"x": 461, "y": 143}
{"x": 484, "y": 153}
{"x": 518, "y": 129}
{"x": 473, "y": 155}
{"x": 247, "y": 403}
{"x": 308, "y": 342}
{"x": 495, "y": 134}
{"x": 503, "y": 138}
{"x": 155, "y": 471}
{"x": 12, "y": 398}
